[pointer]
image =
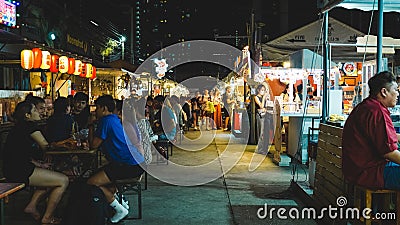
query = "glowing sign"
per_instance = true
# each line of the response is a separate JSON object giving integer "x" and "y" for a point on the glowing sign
{"x": 8, "y": 13}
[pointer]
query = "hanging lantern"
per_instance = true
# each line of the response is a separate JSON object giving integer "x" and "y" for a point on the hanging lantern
{"x": 46, "y": 60}
{"x": 93, "y": 73}
{"x": 37, "y": 58}
{"x": 89, "y": 70}
{"x": 54, "y": 63}
{"x": 63, "y": 64}
{"x": 71, "y": 65}
{"x": 78, "y": 67}
{"x": 27, "y": 59}
{"x": 84, "y": 71}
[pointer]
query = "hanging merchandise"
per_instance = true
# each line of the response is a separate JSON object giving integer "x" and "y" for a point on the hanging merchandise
{"x": 37, "y": 58}
{"x": 46, "y": 60}
{"x": 71, "y": 66}
{"x": 78, "y": 67}
{"x": 27, "y": 59}
{"x": 54, "y": 63}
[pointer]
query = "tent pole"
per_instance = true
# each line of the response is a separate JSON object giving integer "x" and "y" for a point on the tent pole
{"x": 325, "y": 78}
{"x": 380, "y": 35}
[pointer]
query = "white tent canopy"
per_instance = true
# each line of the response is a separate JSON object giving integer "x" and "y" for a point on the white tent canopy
{"x": 364, "y": 5}
{"x": 310, "y": 37}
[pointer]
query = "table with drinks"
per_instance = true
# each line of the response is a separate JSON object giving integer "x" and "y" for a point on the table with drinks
{"x": 74, "y": 158}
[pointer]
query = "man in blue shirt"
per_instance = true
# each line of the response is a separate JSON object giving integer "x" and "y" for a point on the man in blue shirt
{"x": 125, "y": 160}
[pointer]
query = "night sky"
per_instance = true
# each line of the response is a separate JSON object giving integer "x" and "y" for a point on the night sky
{"x": 225, "y": 17}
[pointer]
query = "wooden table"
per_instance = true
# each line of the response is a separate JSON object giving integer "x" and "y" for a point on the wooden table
{"x": 92, "y": 154}
{"x": 7, "y": 189}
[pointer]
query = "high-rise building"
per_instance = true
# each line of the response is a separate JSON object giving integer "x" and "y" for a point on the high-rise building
{"x": 158, "y": 24}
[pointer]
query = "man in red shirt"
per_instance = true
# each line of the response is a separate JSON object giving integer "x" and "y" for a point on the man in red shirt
{"x": 370, "y": 155}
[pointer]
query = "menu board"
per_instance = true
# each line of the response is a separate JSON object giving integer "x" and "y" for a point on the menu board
{"x": 8, "y": 13}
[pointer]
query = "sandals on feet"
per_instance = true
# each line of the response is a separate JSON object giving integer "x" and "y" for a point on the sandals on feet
{"x": 52, "y": 221}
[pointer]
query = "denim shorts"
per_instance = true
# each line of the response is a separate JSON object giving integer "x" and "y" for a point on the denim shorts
{"x": 391, "y": 176}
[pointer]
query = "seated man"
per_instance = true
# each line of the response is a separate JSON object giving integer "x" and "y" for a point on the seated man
{"x": 370, "y": 155}
{"x": 125, "y": 160}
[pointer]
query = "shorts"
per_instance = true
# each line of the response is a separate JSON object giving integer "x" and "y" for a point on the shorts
{"x": 391, "y": 176}
{"x": 119, "y": 171}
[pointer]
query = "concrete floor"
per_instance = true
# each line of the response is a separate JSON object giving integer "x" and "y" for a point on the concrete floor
{"x": 232, "y": 198}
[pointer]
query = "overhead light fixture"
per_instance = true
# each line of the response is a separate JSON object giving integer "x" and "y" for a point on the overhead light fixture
{"x": 52, "y": 36}
{"x": 94, "y": 23}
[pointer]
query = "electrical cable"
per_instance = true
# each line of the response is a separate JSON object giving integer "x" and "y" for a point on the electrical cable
{"x": 296, "y": 164}
{"x": 369, "y": 31}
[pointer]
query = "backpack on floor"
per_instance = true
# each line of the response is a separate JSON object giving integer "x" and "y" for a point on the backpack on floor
{"x": 86, "y": 205}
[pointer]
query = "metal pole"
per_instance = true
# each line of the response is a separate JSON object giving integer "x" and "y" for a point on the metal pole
{"x": 132, "y": 35}
{"x": 123, "y": 50}
{"x": 52, "y": 88}
{"x": 326, "y": 71}
{"x": 380, "y": 35}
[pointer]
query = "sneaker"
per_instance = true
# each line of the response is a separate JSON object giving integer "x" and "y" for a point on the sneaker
{"x": 124, "y": 203}
{"x": 195, "y": 128}
{"x": 119, "y": 215}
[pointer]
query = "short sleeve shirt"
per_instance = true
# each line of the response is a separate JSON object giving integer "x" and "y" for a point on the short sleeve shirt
{"x": 114, "y": 144}
{"x": 368, "y": 135}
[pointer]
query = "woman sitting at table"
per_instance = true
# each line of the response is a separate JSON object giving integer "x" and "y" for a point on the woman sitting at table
{"x": 19, "y": 167}
{"x": 60, "y": 124}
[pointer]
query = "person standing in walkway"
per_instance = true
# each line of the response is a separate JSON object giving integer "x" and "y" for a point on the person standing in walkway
{"x": 195, "y": 109}
{"x": 125, "y": 159}
{"x": 229, "y": 103}
{"x": 370, "y": 151}
{"x": 263, "y": 118}
{"x": 217, "y": 105}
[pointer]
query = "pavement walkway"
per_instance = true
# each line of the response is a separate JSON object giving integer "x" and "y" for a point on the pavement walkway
{"x": 232, "y": 198}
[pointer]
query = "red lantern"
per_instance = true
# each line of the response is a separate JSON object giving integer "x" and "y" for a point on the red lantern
{"x": 37, "y": 58}
{"x": 71, "y": 65}
{"x": 93, "y": 73}
{"x": 27, "y": 59}
{"x": 63, "y": 64}
{"x": 84, "y": 71}
{"x": 54, "y": 63}
{"x": 46, "y": 60}
{"x": 78, "y": 67}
